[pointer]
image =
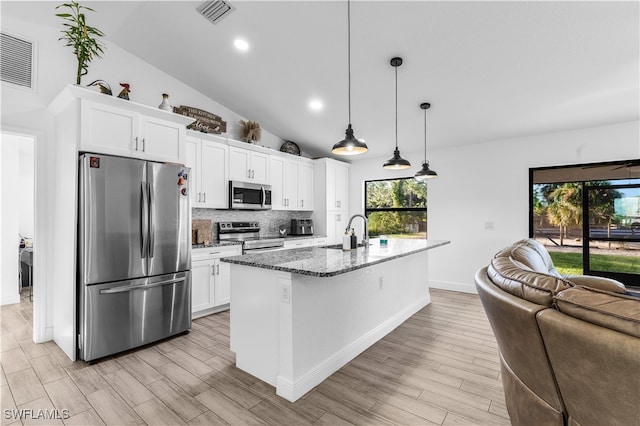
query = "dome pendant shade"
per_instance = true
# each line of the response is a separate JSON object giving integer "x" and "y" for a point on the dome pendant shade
{"x": 397, "y": 162}
{"x": 349, "y": 145}
{"x": 425, "y": 172}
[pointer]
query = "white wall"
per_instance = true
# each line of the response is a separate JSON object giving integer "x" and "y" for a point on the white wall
{"x": 9, "y": 221}
{"x": 489, "y": 182}
{"x": 24, "y": 111}
{"x": 25, "y": 185}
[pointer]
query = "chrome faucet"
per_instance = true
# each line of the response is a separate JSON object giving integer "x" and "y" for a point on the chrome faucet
{"x": 365, "y": 239}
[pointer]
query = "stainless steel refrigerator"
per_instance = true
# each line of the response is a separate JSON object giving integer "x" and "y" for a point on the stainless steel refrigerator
{"x": 134, "y": 253}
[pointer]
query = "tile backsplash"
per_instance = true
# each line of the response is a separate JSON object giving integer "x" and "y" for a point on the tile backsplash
{"x": 269, "y": 220}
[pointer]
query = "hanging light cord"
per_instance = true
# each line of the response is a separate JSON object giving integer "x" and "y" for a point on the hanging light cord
{"x": 396, "y": 67}
{"x": 425, "y": 135}
{"x": 349, "y": 52}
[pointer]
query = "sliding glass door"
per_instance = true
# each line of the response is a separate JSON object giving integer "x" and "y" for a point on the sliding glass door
{"x": 612, "y": 232}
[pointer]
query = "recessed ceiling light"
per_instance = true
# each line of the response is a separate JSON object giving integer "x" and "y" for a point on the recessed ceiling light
{"x": 315, "y": 105}
{"x": 241, "y": 44}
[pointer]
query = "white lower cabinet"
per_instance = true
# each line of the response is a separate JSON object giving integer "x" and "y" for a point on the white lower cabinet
{"x": 298, "y": 243}
{"x": 211, "y": 279}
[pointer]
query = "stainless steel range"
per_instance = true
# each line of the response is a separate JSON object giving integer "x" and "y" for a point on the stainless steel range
{"x": 249, "y": 234}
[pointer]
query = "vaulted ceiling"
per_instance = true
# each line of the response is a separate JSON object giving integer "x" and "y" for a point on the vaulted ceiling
{"x": 491, "y": 70}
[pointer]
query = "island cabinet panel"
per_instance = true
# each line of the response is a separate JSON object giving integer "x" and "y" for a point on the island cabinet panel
{"x": 293, "y": 330}
{"x": 207, "y": 159}
{"x": 211, "y": 279}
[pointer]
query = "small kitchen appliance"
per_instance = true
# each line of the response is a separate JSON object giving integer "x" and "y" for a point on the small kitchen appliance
{"x": 249, "y": 196}
{"x": 301, "y": 227}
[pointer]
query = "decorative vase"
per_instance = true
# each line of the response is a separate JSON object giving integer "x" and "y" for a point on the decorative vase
{"x": 165, "y": 103}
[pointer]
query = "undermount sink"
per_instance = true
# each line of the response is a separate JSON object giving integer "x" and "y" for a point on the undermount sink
{"x": 338, "y": 246}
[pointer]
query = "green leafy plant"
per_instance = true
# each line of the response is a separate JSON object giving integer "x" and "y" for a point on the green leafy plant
{"x": 80, "y": 36}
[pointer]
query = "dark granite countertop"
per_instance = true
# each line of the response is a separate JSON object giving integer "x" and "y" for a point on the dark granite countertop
{"x": 323, "y": 262}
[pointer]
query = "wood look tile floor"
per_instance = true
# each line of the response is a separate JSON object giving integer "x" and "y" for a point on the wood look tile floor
{"x": 440, "y": 367}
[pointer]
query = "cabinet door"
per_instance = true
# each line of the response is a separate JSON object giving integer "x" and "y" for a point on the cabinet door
{"x": 162, "y": 140}
{"x": 305, "y": 186}
{"x": 108, "y": 130}
{"x": 341, "y": 187}
{"x": 222, "y": 283}
{"x": 291, "y": 185}
{"x": 337, "y": 222}
{"x": 239, "y": 164}
{"x": 276, "y": 180}
{"x": 259, "y": 167}
{"x": 202, "y": 285}
{"x": 192, "y": 159}
{"x": 213, "y": 175}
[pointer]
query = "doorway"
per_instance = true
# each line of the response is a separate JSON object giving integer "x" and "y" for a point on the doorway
{"x": 588, "y": 217}
{"x": 17, "y": 179}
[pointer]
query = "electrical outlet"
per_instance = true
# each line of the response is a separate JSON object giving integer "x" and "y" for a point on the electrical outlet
{"x": 380, "y": 283}
{"x": 285, "y": 296}
{"x": 488, "y": 225}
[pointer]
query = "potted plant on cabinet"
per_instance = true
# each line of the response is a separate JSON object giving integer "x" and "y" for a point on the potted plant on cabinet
{"x": 80, "y": 36}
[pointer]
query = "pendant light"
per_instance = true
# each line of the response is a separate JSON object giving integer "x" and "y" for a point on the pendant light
{"x": 425, "y": 172}
{"x": 397, "y": 162}
{"x": 349, "y": 145}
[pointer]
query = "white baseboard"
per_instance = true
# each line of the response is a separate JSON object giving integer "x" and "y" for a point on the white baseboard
{"x": 445, "y": 285}
{"x": 293, "y": 391}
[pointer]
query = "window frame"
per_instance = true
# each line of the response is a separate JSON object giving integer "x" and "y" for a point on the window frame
{"x": 368, "y": 211}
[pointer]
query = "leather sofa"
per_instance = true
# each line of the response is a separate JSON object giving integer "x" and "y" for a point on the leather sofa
{"x": 569, "y": 345}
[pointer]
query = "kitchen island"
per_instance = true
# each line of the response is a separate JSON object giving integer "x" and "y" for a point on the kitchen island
{"x": 299, "y": 315}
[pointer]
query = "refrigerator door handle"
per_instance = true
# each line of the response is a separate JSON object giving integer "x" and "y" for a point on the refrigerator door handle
{"x": 152, "y": 213}
{"x": 144, "y": 224}
{"x": 123, "y": 289}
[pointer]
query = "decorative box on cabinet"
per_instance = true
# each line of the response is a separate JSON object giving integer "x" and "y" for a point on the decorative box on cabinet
{"x": 207, "y": 157}
{"x": 211, "y": 279}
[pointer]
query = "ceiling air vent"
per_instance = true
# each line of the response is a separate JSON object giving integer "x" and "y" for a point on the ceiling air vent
{"x": 16, "y": 61}
{"x": 215, "y": 11}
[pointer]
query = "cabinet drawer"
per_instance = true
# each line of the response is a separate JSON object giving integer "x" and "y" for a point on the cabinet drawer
{"x": 215, "y": 252}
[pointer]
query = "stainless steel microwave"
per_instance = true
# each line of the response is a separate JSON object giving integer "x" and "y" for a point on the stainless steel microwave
{"x": 249, "y": 196}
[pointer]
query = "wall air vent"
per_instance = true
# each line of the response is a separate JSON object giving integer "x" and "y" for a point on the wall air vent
{"x": 216, "y": 10}
{"x": 16, "y": 61}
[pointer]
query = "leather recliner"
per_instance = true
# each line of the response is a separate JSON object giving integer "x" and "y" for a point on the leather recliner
{"x": 569, "y": 346}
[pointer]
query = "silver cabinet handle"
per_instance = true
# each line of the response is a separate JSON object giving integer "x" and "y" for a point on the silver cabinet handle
{"x": 199, "y": 196}
{"x": 301, "y": 203}
{"x": 204, "y": 197}
{"x": 123, "y": 289}
{"x": 136, "y": 139}
{"x": 338, "y": 218}
{"x": 338, "y": 204}
{"x": 249, "y": 173}
{"x": 143, "y": 145}
{"x": 218, "y": 269}
{"x": 253, "y": 174}
{"x": 213, "y": 269}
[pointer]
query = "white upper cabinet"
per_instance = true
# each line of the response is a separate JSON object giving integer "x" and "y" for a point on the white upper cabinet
{"x": 207, "y": 158}
{"x": 248, "y": 166}
{"x": 331, "y": 195}
{"x": 115, "y": 129}
{"x": 291, "y": 183}
{"x": 276, "y": 173}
